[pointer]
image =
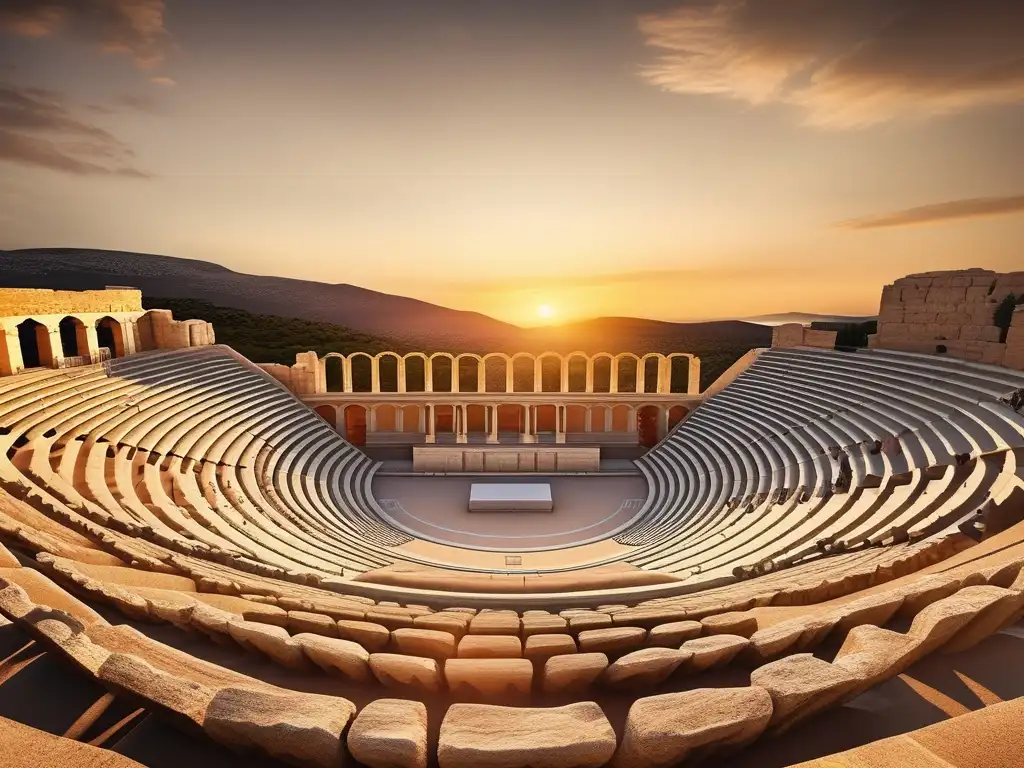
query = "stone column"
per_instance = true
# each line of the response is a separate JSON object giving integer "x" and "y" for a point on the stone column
{"x": 693, "y": 380}
{"x": 10, "y": 352}
{"x": 510, "y": 379}
{"x": 664, "y": 375}
{"x": 51, "y": 351}
{"x": 559, "y": 423}
{"x": 429, "y": 415}
{"x": 564, "y": 373}
{"x": 462, "y": 433}
{"x": 529, "y": 434}
{"x": 492, "y": 413}
{"x": 399, "y": 418}
{"x": 587, "y": 422}
{"x": 88, "y": 342}
{"x": 613, "y": 378}
{"x": 481, "y": 376}
{"x": 375, "y": 374}
{"x": 455, "y": 375}
{"x": 608, "y": 420}
{"x": 346, "y": 374}
{"x": 631, "y": 425}
{"x": 590, "y": 374}
{"x": 371, "y": 420}
{"x": 428, "y": 375}
{"x": 538, "y": 380}
{"x": 641, "y": 376}
{"x": 401, "y": 374}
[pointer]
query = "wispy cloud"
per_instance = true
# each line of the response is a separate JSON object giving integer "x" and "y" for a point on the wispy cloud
{"x": 165, "y": 81}
{"x": 971, "y": 208}
{"x": 845, "y": 64}
{"x": 39, "y": 128}
{"x": 132, "y": 27}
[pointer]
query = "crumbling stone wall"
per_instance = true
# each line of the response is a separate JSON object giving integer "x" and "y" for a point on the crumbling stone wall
{"x": 159, "y": 330}
{"x": 796, "y": 335}
{"x": 952, "y": 313}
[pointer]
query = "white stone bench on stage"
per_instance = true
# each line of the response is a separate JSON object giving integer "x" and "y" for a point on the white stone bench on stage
{"x": 510, "y": 497}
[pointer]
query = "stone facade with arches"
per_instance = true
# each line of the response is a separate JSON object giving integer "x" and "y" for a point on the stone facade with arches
{"x": 420, "y": 398}
{"x": 64, "y": 329}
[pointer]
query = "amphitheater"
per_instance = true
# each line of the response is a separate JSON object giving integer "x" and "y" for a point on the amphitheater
{"x": 817, "y": 560}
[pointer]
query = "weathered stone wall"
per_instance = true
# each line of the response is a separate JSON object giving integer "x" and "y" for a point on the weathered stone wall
{"x": 159, "y": 330}
{"x": 494, "y": 459}
{"x": 952, "y": 310}
{"x": 796, "y": 335}
{"x": 18, "y": 302}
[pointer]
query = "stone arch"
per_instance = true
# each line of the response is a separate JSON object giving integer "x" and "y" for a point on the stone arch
{"x": 626, "y": 373}
{"x": 648, "y": 425}
{"x": 442, "y": 369}
{"x": 602, "y": 369}
{"x": 575, "y": 418}
{"x": 355, "y": 424}
{"x": 385, "y": 418}
{"x": 470, "y": 369}
{"x": 676, "y": 414}
{"x": 650, "y": 372}
{"x": 74, "y": 340}
{"x": 328, "y": 414}
{"x": 411, "y": 419}
{"x": 620, "y": 418}
{"x": 34, "y": 338}
{"x": 495, "y": 379}
{"x": 577, "y": 371}
{"x": 110, "y": 334}
{"x": 362, "y": 369}
{"x": 547, "y": 418}
{"x": 510, "y": 418}
{"x": 415, "y": 370}
{"x": 523, "y": 372}
{"x": 549, "y": 364}
{"x": 389, "y": 369}
{"x": 678, "y": 372}
{"x": 334, "y": 372}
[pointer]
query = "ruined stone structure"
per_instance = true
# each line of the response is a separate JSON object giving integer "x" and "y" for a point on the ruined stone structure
{"x": 64, "y": 329}
{"x": 195, "y": 569}
{"x": 953, "y": 313}
{"x": 639, "y": 400}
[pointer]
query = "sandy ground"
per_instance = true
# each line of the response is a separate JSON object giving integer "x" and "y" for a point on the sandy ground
{"x": 584, "y": 508}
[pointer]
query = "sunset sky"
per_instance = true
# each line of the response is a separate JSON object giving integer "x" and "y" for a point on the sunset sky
{"x": 665, "y": 159}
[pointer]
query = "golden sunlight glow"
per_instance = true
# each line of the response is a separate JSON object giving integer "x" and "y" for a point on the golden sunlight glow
{"x": 546, "y": 311}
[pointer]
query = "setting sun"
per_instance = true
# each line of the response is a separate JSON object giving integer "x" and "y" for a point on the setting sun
{"x": 546, "y": 311}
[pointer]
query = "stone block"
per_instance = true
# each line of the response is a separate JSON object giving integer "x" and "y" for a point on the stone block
{"x": 913, "y": 293}
{"x": 946, "y": 295}
{"x": 787, "y": 335}
{"x": 390, "y": 733}
{"x": 977, "y": 294}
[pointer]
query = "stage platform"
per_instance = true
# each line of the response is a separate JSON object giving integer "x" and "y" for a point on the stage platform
{"x": 510, "y": 497}
{"x": 443, "y": 459}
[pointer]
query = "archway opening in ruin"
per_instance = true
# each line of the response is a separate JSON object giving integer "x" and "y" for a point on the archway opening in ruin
{"x": 328, "y": 414}
{"x": 522, "y": 374}
{"x": 476, "y": 419}
{"x": 577, "y": 373}
{"x": 469, "y": 373}
{"x": 415, "y": 373}
{"x": 647, "y": 425}
{"x": 510, "y": 419}
{"x": 679, "y": 375}
{"x": 334, "y": 373}
{"x": 603, "y": 374}
{"x": 444, "y": 419}
{"x": 441, "y": 370}
{"x": 355, "y": 424}
{"x": 411, "y": 419}
{"x": 575, "y": 418}
{"x": 495, "y": 373}
{"x": 110, "y": 334}
{"x": 625, "y": 374}
{"x": 73, "y": 339}
{"x": 676, "y": 414}
{"x": 546, "y": 418}
{"x": 385, "y": 418}
{"x": 651, "y": 374}
{"x": 362, "y": 372}
{"x": 550, "y": 374}
{"x": 34, "y": 338}
{"x": 387, "y": 370}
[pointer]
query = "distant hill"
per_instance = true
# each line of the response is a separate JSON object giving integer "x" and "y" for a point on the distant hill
{"x": 351, "y": 311}
{"x": 806, "y": 318}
